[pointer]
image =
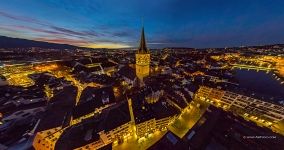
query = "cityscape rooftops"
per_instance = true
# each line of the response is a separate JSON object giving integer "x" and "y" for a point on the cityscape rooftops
{"x": 58, "y": 112}
{"x": 169, "y": 142}
{"x": 115, "y": 116}
{"x": 75, "y": 136}
{"x": 221, "y": 129}
{"x": 79, "y": 135}
{"x": 144, "y": 111}
{"x": 127, "y": 72}
{"x": 93, "y": 98}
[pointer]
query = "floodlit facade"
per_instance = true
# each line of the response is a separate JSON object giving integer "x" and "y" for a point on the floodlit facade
{"x": 145, "y": 127}
{"x": 154, "y": 96}
{"x": 243, "y": 105}
{"x": 114, "y": 136}
{"x": 152, "y": 125}
{"x": 47, "y": 139}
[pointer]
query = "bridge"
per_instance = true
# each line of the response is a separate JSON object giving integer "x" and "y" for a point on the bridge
{"x": 252, "y": 67}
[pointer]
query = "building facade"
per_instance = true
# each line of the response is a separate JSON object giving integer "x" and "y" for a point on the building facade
{"x": 256, "y": 109}
{"x": 154, "y": 96}
{"x": 47, "y": 139}
{"x": 150, "y": 126}
{"x": 114, "y": 136}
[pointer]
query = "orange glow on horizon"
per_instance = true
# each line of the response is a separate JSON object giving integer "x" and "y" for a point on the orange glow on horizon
{"x": 107, "y": 45}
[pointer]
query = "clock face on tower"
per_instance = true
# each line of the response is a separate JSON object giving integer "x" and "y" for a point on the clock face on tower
{"x": 143, "y": 59}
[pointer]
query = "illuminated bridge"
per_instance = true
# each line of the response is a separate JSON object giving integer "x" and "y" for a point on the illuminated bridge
{"x": 251, "y": 67}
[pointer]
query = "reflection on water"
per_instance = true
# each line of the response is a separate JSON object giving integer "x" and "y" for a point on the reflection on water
{"x": 260, "y": 82}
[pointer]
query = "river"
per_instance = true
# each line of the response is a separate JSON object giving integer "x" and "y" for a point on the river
{"x": 260, "y": 82}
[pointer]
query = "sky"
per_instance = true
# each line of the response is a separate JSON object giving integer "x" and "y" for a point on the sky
{"x": 167, "y": 23}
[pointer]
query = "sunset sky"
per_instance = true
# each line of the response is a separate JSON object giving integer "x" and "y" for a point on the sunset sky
{"x": 117, "y": 23}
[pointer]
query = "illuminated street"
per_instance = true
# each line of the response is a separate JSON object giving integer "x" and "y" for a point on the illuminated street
{"x": 189, "y": 117}
{"x": 140, "y": 144}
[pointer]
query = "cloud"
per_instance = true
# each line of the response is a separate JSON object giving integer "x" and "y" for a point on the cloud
{"x": 124, "y": 33}
{"x": 108, "y": 36}
{"x": 67, "y": 31}
{"x": 53, "y": 29}
{"x": 107, "y": 45}
{"x": 6, "y": 28}
{"x": 22, "y": 18}
{"x": 81, "y": 34}
{"x": 63, "y": 41}
{"x": 36, "y": 29}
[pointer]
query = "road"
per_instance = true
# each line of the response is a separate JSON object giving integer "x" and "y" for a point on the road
{"x": 189, "y": 117}
{"x": 132, "y": 142}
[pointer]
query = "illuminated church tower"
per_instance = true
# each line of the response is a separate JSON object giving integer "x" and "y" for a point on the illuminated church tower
{"x": 142, "y": 59}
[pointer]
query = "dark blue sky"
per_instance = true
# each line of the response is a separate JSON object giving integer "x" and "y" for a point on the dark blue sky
{"x": 117, "y": 23}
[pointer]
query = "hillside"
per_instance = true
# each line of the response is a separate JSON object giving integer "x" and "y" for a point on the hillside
{"x": 8, "y": 42}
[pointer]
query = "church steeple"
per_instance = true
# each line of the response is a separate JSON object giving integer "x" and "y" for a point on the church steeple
{"x": 142, "y": 47}
{"x": 143, "y": 60}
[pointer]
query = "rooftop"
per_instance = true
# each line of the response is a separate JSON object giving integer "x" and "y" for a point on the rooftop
{"x": 127, "y": 72}
{"x": 79, "y": 135}
{"x": 92, "y": 98}
{"x": 144, "y": 111}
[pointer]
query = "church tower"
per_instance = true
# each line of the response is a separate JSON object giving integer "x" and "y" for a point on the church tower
{"x": 142, "y": 57}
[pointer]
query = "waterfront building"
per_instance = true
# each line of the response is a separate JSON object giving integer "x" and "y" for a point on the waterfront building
{"x": 262, "y": 111}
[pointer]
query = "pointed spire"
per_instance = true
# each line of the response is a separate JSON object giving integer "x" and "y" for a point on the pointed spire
{"x": 142, "y": 46}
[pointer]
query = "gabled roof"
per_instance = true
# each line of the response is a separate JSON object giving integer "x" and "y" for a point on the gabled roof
{"x": 127, "y": 72}
{"x": 92, "y": 98}
{"x": 59, "y": 110}
{"x": 144, "y": 111}
{"x": 111, "y": 118}
{"x": 75, "y": 136}
{"x": 168, "y": 142}
{"x": 116, "y": 116}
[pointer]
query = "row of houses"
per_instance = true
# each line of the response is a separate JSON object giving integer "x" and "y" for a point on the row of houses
{"x": 243, "y": 104}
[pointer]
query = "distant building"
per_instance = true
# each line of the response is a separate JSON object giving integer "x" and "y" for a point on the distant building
{"x": 166, "y": 70}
